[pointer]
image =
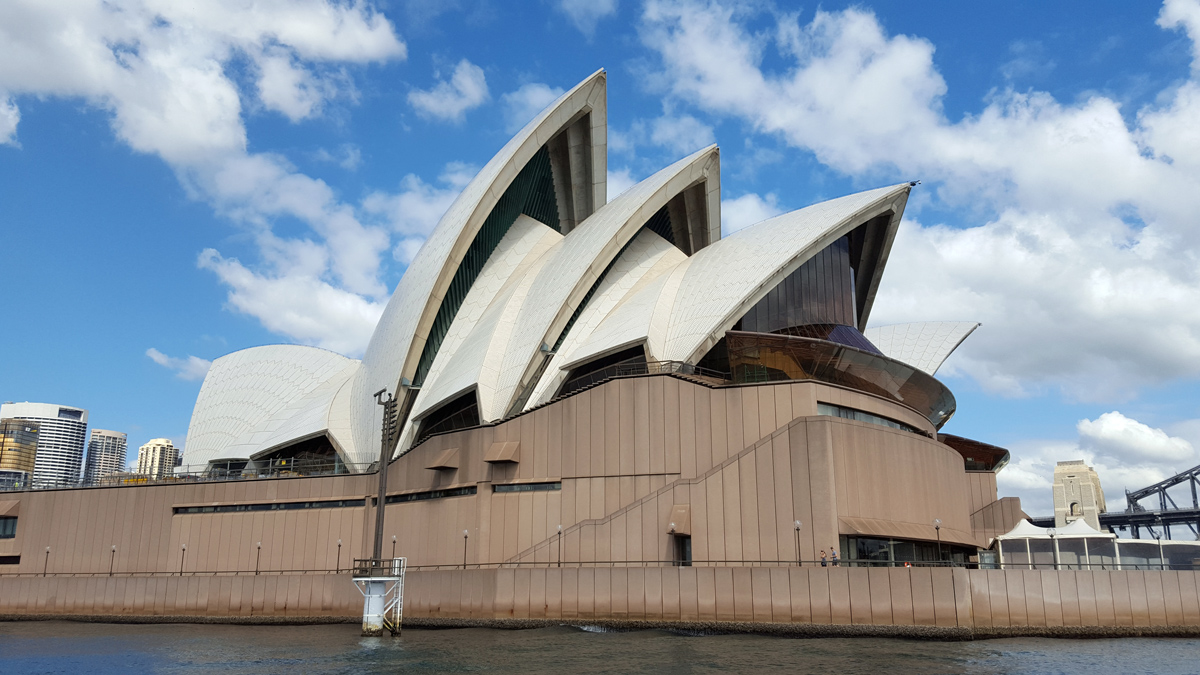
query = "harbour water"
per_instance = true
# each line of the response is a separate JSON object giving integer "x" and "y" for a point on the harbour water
{"x": 69, "y": 647}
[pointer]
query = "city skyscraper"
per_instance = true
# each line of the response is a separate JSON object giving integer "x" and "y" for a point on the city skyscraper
{"x": 158, "y": 458}
{"x": 61, "y": 432}
{"x": 18, "y": 452}
{"x": 105, "y": 455}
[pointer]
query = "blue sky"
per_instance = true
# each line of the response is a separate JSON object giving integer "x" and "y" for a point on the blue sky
{"x": 180, "y": 182}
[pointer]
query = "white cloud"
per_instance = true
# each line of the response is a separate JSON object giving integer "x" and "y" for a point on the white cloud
{"x": 525, "y": 103}
{"x": 348, "y": 156}
{"x": 10, "y": 116}
{"x": 747, "y": 210}
{"x": 449, "y": 100}
{"x": 681, "y": 134}
{"x": 286, "y": 87}
{"x": 417, "y": 207}
{"x": 167, "y": 73}
{"x": 294, "y": 300}
{"x": 585, "y": 14}
{"x": 1086, "y": 275}
{"x": 619, "y": 181}
{"x": 1125, "y": 453}
{"x": 190, "y": 368}
{"x": 1115, "y": 435}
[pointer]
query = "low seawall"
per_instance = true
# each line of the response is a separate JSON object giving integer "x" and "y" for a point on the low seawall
{"x": 904, "y": 602}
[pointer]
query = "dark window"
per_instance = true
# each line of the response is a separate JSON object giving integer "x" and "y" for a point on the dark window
{"x": 630, "y": 361}
{"x": 8, "y": 527}
{"x": 527, "y": 487}
{"x": 271, "y": 506}
{"x": 431, "y": 494}
{"x": 861, "y": 416}
{"x": 872, "y": 552}
{"x": 460, "y": 413}
{"x": 683, "y": 550}
{"x": 821, "y": 291}
{"x": 10, "y": 560}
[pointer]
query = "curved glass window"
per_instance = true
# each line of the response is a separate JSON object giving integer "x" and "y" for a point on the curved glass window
{"x": 861, "y": 416}
{"x": 759, "y": 357}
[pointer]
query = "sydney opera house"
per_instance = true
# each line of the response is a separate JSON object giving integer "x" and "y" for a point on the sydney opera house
{"x": 583, "y": 379}
{"x": 625, "y": 357}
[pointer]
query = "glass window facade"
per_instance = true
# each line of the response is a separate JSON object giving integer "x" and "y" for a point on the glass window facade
{"x": 8, "y": 527}
{"x": 879, "y": 552}
{"x": 269, "y": 506}
{"x": 461, "y": 413}
{"x": 861, "y": 416}
{"x": 431, "y": 494}
{"x": 821, "y": 291}
{"x": 758, "y": 357}
{"x": 527, "y": 487}
{"x": 18, "y": 446}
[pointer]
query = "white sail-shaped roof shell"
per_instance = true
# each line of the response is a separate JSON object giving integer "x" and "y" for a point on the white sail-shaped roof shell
{"x": 255, "y": 399}
{"x": 541, "y": 303}
{"x": 683, "y": 313}
{"x": 493, "y": 304}
{"x": 396, "y": 345}
{"x": 647, "y": 258}
{"x": 925, "y": 345}
{"x": 508, "y": 343}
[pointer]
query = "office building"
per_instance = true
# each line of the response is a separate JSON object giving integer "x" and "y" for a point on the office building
{"x": 61, "y": 434}
{"x": 105, "y": 455}
{"x": 18, "y": 452}
{"x": 158, "y": 458}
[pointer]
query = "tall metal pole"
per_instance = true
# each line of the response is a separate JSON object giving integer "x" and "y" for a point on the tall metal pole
{"x": 46, "y": 565}
{"x": 182, "y": 556}
{"x": 799, "y": 563}
{"x": 937, "y": 525}
{"x": 559, "y": 546}
{"x": 464, "y": 549}
{"x": 258, "y": 558}
{"x": 385, "y": 447}
{"x": 112, "y": 560}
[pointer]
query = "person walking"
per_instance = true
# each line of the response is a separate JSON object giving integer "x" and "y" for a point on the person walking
{"x": 823, "y": 557}
{"x": 833, "y": 552}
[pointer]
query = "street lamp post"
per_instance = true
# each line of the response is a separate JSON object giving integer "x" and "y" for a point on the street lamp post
{"x": 560, "y": 545}
{"x": 112, "y": 560}
{"x": 182, "y": 556}
{"x": 339, "y": 559}
{"x": 1053, "y": 545}
{"x": 937, "y": 526}
{"x": 257, "y": 558}
{"x": 387, "y": 433}
{"x": 799, "y": 563}
{"x": 393, "y": 547}
{"x": 464, "y": 549}
{"x": 46, "y": 564}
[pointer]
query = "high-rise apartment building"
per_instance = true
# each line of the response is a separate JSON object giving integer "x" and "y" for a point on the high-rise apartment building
{"x": 105, "y": 455}
{"x": 158, "y": 458}
{"x": 18, "y": 452}
{"x": 61, "y": 432}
